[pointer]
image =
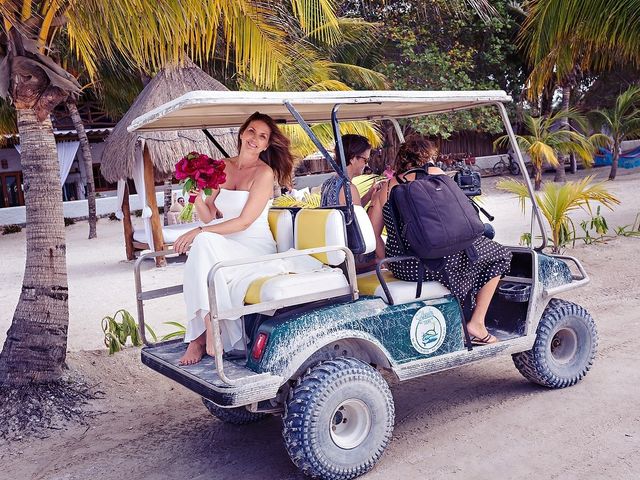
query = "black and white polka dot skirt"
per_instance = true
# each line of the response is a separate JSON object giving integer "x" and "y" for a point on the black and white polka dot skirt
{"x": 462, "y": 275}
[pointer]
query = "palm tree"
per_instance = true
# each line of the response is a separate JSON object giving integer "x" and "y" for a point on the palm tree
{"x": 545, "y": 141}
{"x": 592, "y": 34}
{"x": 619, "y": 123}
{"x": 165, "y": 31}
{"x": 557, "y": 201}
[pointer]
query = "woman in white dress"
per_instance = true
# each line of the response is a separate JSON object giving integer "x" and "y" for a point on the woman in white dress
{"x": 235, "y": 226}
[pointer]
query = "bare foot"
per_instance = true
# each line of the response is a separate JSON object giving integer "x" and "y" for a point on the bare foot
{"x": 209, "y": 336}
{"x": 195, "y": 352}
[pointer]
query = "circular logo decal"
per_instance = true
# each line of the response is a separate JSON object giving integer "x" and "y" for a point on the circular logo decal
{"x": 428, "y": 330}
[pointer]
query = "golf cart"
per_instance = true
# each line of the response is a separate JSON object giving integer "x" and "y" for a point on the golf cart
{"x": 321, "y": 346}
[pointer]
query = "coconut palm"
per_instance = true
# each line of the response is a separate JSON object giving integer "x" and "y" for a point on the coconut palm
{"x": 592, "y": 34}
{"x": 545, "y": 141}
{"x": 619, "y": 123}
{"x": 557, "y": 201}
{"x": 165, "y": 31}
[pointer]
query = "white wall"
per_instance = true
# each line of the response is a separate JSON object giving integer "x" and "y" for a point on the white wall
{"x": 78, "y": 208}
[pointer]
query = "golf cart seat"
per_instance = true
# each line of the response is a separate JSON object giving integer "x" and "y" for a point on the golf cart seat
{"x": 400, "y": 291}
{"x": 313, "y": 228}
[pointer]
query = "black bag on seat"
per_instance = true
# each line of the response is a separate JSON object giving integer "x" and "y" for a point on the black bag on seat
{"x": 436, "y": 217}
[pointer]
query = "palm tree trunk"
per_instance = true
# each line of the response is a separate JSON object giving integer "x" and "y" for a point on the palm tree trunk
{"x": 614, "y": 161}
{"x": 88, "y": 165}
{"x": 36, "y": 343}
{"x": 537, "y": 176}
{"x": 560, "y": 169}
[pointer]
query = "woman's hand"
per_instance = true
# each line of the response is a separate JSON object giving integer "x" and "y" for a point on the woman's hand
{"x": 184, "y": 241}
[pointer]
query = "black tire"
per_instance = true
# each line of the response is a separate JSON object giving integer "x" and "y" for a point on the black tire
{"x": 564, "y": 349}
{"x": 316, "y": 432}
{"x": 235, "y": 416}
{"x": 500, "y": 168}
{"x": 514, "y": 168}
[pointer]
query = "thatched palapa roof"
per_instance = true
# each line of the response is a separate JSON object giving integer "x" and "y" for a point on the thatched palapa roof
{"x": 166, "y": 148}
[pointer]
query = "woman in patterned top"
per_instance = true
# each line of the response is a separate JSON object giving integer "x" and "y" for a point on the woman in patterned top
{"x": 357, "y": 151}
{"x": 472, "y": 281}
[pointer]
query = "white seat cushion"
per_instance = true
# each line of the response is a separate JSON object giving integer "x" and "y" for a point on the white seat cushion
{"x": 366, "y": 228}
{"x": 401, "y": 291}
{"x": 293, "y": 285}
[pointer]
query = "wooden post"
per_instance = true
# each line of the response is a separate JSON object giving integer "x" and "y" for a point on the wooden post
{"x": 127, "y": 225}
{"x": 156, "y": 223}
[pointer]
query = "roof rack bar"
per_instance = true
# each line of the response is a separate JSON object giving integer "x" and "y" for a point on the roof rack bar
{"x": 215, "y": 142}
{"x": 346, "y": 185}
{"x": 305, "y": 126}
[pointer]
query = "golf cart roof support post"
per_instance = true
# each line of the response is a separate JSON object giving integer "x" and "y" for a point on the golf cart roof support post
{"x": 305, "y": 126}
{"x": 335, "y": 125}
{"x": 523, "y": 169}
{"x": 213, "y": 140}
{"x": 397, "y": 128}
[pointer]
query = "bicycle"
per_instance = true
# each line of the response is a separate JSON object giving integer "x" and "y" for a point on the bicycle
{"x": 501, "y": 167}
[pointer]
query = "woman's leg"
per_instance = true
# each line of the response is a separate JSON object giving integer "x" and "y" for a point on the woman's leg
{"x": 476, "y": 326}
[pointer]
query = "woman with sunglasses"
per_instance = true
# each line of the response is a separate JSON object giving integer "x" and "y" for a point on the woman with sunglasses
{"x": 357, "y": 151}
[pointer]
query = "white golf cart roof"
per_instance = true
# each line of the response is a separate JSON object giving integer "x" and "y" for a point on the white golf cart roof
{"x": 214, "y": 109}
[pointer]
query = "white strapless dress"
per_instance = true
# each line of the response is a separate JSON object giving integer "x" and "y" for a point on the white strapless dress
{"x": 231, "y": 284}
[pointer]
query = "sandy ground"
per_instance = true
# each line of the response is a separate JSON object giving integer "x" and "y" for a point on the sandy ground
{"x": 480, "y": 421}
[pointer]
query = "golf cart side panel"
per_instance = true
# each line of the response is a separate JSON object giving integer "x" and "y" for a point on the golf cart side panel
{"x": 397, "y": 332}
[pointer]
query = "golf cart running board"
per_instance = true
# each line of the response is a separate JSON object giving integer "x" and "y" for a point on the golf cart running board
{"x": 203, "y": 379}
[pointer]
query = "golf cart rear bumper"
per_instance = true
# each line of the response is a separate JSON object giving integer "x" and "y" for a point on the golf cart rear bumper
{"x": 202, "y": 377}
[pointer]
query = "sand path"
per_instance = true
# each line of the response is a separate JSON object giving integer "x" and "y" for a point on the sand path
{"x": 480, "y": 421}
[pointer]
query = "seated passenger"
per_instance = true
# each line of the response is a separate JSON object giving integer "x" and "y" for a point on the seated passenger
{"x": 472, "y": 282}
{"x": 357, "y": 150}
{"x": 235, "y": 226}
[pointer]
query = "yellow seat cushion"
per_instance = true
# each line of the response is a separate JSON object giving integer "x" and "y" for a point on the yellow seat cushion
{"x": 321, "y": 228}
{"x": 281, "y": 226}
{"x": 401, "y": 291}
{"x": 290, "y": 285}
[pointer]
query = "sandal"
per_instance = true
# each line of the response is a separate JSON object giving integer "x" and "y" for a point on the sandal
{"x": 489, "y": 339}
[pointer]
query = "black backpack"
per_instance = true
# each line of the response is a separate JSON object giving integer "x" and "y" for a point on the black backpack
{"x": 435, "y": 217}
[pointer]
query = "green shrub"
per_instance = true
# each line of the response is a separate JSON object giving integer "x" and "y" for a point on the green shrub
{"x": 7, "y": 229}
{"x": 116, "y": 333}
{"x": 69, "y": 221}
{"x": 112, "y": 217}
{"x": 137, "y": 213}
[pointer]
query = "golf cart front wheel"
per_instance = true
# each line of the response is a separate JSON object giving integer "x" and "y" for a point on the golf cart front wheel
{"x": 564, "y": 349}
{"x": 339, "y": 419}
{"x": 234, "y": 416}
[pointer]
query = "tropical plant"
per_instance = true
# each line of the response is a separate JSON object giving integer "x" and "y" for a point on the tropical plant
{"x": 597, "y": 224}
{"x": 165, "y": 32}
{"x": 545, "y": 141}
{"x": 116, "y": 333}
{"x": 309, "y": 200}
{"x": 591, "y": 34}
{"x": 632, "y": 230}
{"x": 622, "y": 122}
{"x": 557, "y": 201}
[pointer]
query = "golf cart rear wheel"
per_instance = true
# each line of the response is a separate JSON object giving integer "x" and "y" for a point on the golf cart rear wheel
{"x": 235, "y": 416}
{"x": 339, "y": 419}
{"x": 564, "y": 349}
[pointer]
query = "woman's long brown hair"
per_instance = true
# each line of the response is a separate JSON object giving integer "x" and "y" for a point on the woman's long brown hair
{"x": 415, "y": 153}
{"x": 278, "y": 154}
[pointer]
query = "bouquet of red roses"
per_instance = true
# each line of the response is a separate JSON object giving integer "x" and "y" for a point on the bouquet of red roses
{"x": 199, "y": 171}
